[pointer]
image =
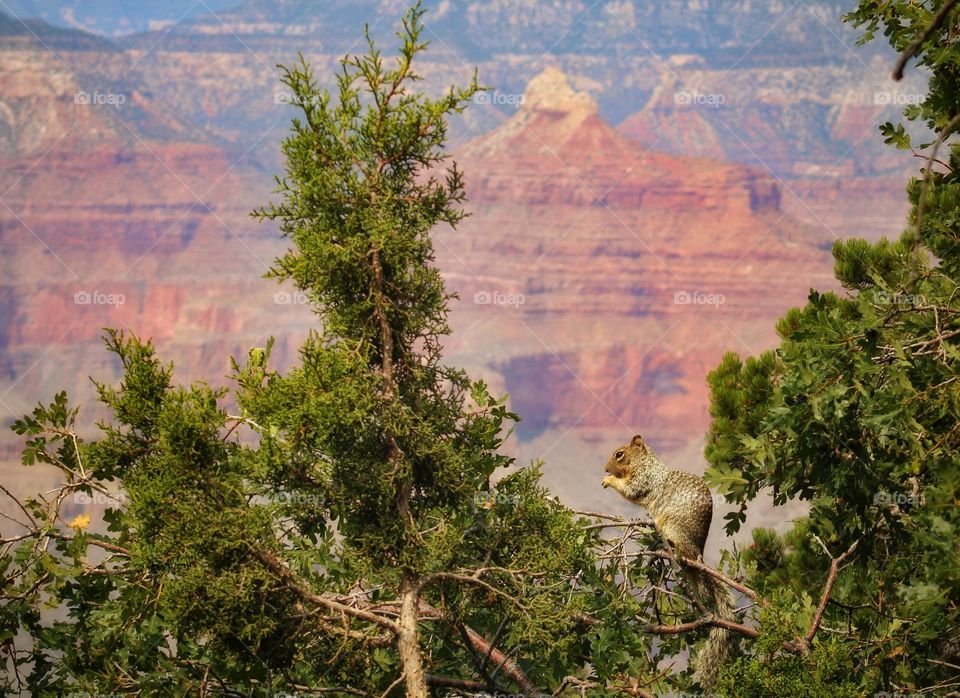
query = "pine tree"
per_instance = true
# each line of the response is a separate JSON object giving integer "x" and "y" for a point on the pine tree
{"x": 857, "y": 413}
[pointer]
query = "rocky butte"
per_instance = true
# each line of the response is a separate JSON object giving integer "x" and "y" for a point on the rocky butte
{"x": 601, "y": 280}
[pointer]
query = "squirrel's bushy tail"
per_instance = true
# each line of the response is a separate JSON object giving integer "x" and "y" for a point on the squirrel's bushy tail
{"x": 721, "y": 645}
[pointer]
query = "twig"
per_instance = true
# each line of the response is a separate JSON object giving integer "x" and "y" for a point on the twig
{"x": 825, "y": 596}
{"x": 493, "y": 643}
{"x": 449, "y": 682}
{"x": 479, "y": 662}
{"x": 946, "y": 664}
{"x": 470, "y": 579}
{"x": 16, "y": 500}
{"x": 393, "y": 685}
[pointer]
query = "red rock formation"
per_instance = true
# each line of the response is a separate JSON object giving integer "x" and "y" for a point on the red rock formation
{"x": 596, "y": 166}
{"x": 602, "y": 281}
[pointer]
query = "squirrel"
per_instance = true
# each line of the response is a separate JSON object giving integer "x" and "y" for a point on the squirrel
{"x": 681, "y": 506}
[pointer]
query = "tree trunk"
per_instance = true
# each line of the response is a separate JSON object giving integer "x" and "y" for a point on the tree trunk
{"x": 408, "y": 640}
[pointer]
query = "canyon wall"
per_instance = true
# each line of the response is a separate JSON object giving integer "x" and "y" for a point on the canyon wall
{"x": 641, "y": 203}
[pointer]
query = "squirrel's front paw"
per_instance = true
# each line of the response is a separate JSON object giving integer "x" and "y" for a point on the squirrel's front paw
{"x": 608, "y": 481}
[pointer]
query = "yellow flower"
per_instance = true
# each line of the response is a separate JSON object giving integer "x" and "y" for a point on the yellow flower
{"x": 80, "y": 523}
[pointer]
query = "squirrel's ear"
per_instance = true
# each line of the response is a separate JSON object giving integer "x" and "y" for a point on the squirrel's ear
{"x": 637, "y": 440}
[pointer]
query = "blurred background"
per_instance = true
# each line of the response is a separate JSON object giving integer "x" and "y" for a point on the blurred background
{"x": 651, "y": 184}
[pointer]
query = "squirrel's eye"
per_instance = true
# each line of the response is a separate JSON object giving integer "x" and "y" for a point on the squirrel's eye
{"x": 619, "y": 455}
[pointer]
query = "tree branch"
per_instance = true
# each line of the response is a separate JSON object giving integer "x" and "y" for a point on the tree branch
{"x": 696, "y": 564}
{"x": 480, "y": 644}
{"x": 283, "y": 572}
{"x": 448, "y": 682}
{"x": 709, "y": 621}
{"x": 408, "y": 639}
{"x": 927, "y": 175}
{"x": 936, "y": 23}
{"x": 583, "y": 686}
{"x": 92, "y": 541}
{"x": 825, "y": 596}
{"x": 801, "y": 646}
{"x": 386, "y": 334}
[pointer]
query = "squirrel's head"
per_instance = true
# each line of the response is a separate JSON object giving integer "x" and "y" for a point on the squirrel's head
{"x": 620, "y": 463}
